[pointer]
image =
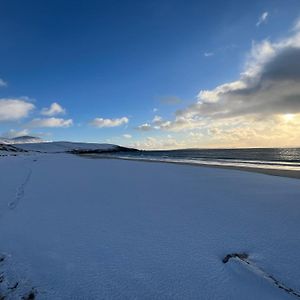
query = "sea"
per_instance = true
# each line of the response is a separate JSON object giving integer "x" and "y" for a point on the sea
{"x": 266, "y": 158}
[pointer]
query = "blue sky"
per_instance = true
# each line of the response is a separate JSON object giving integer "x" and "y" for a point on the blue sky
{"x": 127, "y": 62}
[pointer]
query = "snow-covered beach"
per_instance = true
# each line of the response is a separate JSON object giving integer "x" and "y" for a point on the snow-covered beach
{"x": 77, "y": 228}
{"x": 150, "y": 150}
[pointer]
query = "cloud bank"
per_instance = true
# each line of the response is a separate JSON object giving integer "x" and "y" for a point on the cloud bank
{"x": 260, "y": 108}
{"x": 269, "y": 85}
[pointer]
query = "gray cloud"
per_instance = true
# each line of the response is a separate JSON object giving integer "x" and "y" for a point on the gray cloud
{"x": 260, "y": 108}
{"x": 284, "y": 66}
{"x": 271, "y": 85}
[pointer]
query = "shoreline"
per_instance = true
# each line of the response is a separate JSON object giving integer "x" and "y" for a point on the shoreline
{"x": 272, "y": 172}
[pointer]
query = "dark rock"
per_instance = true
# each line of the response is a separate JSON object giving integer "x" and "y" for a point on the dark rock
{"x": 242, "y": 256}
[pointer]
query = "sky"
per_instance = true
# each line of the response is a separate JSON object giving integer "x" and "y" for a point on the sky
{"x": 159, "y": 74}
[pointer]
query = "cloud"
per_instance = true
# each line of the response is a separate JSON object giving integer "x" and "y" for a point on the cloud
{"x": 3, "y": 83}
{"x": 279, "y": 131}
{"x": 262, "y": 19}
{"x": 100, "y": 122}
{"x": 269, "y": 85}
{"x": 252, "y": 110}
{"x": 297, "y": 25}
{"x": 50, "y": 122}
{"x": 14, "y": 109}
{"x": 53, "y": 110}
{"x": 157, "y": 120}
{"x": 154, "y": 143}
{"x": 144, "y": 127}
{"x": 158, "y": 123}
{"x": 127, "y": 136}
{"x": 208, "y": 54}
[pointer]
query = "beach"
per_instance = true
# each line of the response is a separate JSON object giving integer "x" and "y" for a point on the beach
{"x": 77, "y": 228}
{"x": 149, "y": 150}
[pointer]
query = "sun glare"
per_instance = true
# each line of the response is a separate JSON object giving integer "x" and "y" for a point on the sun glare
{"x": 288, "y": 117}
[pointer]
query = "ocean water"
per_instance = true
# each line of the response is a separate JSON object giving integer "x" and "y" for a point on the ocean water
{"x": 271, "y": 158}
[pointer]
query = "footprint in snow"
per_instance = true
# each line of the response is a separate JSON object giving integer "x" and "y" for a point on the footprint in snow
{"x": 20, "y": 191}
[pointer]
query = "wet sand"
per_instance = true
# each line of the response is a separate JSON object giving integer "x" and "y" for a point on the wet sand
{"x": 272, "y": 172}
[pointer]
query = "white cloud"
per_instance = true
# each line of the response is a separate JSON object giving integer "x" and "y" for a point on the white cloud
{"x": 157, "y": 120}
{"x": 2, "y": 83}
{"x": 144, "y": 127}
{"x": 179, "y": 124}
{"x": 208, "y": 54}
{"x": 297, "y": 25}
{"x": 50, "y": 122}
{"x": 207, "y": 96}
{"x": 53, "y": 110}
{"x": 166, "y": 142}
{"x": 100, "y": 122}
{"x": 14, "y": 109}
{"x": 127, "y": 136}
{"x": 155, "y": 109}
{"x": 262, "y": 19}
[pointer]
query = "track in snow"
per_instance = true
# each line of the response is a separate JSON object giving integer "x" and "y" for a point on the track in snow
{"x": 244, "y": 259}
{"x": 21, "y": 190}
{"x": 10, "y": 287}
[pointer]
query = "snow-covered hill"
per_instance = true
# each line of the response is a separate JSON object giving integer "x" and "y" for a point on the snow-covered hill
{"x": 60, "y": 147}
{"x": 51, "y": 147}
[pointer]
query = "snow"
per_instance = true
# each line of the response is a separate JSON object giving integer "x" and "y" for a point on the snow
{"x": 79, "y": 228}
{"x": 6, "y": 149}
{"x": 54, "y": 147}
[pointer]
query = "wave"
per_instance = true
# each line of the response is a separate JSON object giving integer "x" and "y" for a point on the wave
{"x": 278, "y": 165}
